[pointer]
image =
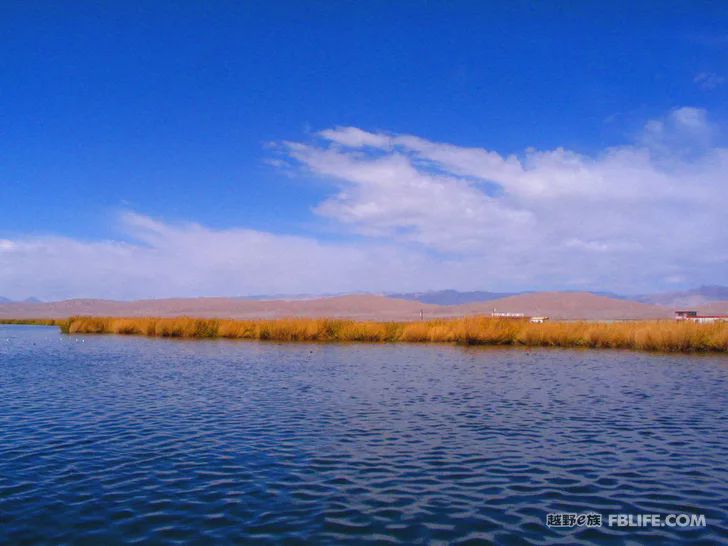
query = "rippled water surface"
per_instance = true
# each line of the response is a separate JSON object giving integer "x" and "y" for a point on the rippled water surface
{"x": 116, "y": 440}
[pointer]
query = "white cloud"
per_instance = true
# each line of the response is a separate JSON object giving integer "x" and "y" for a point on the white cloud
{"x": 426, "y": 215}
{"x": 192, "y": 260}
{"x": 684, "y": 131}
{"x": 646, "y": 208}
{"x": 708, "y": 80}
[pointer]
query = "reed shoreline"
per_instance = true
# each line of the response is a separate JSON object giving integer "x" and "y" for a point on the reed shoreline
{"x": 653, "y": 335}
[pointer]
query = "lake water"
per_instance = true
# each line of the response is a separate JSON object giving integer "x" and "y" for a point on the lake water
{"x": 119, "y": 440}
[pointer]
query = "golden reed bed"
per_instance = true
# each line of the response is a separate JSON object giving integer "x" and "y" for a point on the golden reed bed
{"x": 659, "y": 335}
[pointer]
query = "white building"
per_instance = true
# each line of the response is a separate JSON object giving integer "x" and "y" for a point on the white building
{"x": 507, "y": 315}
{"x": 694, "y": 317}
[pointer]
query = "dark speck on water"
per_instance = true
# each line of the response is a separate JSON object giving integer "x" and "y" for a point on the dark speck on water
{"x": 133, "y": 440}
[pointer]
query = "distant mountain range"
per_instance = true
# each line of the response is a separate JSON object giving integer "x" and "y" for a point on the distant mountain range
{"x": 687, "y": 298}
{"x": 557, "y": 305}
{"x": 451, "y": 297}
{"x": 693, "y": 297}
{"x": 406, "y": 306}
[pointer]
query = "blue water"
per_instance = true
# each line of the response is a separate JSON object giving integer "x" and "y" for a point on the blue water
{"x": 119, "y": 440}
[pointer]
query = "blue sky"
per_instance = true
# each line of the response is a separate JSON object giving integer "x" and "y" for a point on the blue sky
{"x": 132, "y": 133}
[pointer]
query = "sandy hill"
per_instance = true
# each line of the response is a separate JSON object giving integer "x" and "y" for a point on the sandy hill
{"x": 569, "y": 305}
{"x": 558, "y": 305}
{"x": 713, "y": 308}
{"x": 353, "y": 306}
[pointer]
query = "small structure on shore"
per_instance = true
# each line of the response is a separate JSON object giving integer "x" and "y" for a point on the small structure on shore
{"x": 496, "y": 314}
{"x": 694, "y": 317}
{"x": 539, "y": 319}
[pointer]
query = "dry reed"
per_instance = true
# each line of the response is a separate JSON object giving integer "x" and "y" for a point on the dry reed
{"x": 664, "y": 335}
{"x": 35, "y": 321}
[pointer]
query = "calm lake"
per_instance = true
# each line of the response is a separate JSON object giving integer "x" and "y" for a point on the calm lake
{"x": 119, "y": 440}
